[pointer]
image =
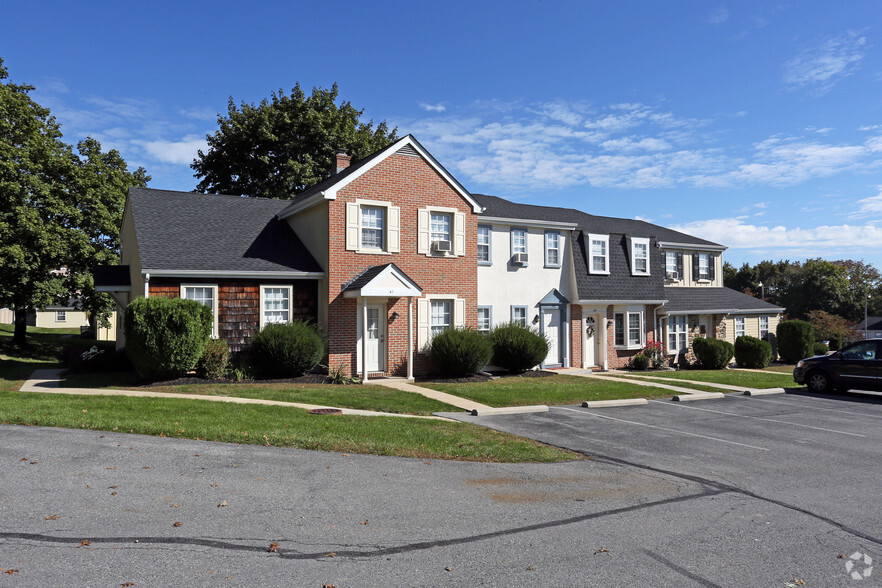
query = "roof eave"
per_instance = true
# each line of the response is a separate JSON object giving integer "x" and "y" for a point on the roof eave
{"x": 704, "y": 246}
{"x": 273, "y": 274}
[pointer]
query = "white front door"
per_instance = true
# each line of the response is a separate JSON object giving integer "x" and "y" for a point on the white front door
{"x": 375, "y": 339}
{"x": 551, "y": 330}
{"x": 590, "y": 346}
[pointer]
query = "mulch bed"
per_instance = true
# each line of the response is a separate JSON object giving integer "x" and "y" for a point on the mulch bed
{"x": 479, "y": 378}
{"x": 305, "y": 379}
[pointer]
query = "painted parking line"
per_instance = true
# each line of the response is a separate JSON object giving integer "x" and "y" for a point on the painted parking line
{"x": 603, "y": 416}
{"x": 791, "y": 404}
{"x": 746, "y": 416}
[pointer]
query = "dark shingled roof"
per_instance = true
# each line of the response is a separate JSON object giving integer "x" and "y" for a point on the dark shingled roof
{"x": 874, "y": 323}
{"x": 192, "y": 231}
{"x": 707, "y": 299}
{"x": 365, "y": 277}
{"x": 619, "y": 284}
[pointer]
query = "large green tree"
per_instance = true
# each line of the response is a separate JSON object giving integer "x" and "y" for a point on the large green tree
{"x": 283, "y": 145}
{"x": 58, "y": 210}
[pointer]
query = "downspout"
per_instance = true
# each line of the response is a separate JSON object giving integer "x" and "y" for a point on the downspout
{"x": 146, "y": 285}
{"x": 364, "y": 329}
{"x": 410, "y": 338}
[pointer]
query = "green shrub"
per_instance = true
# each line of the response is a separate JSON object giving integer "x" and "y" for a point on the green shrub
{"x": 713, "y": 354}
{"x": 213, "y": 363}
{"x": 287, "y": 350}
{"x": 460, "y": 352}
{"x": 657, "y": 353}
{"x": 796, "y": 340}
{"x": 165, "y": 337}
{"x": 640, "y": 362}
{"x": 751, "y": 352}
{"x": 820, "y": 349}
{"x": 517, "y": 348}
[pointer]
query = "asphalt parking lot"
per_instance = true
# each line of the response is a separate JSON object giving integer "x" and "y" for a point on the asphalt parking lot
{"x": 759, "y": 491}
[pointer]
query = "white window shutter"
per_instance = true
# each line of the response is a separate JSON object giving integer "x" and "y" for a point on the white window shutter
{"x": 459, "y": 234}
{"x": 422, "y": 322}
{"x": 423, "y": 231}
{"x": 459, "y": 313}
{"x": 394, "y": 244}
{"x": 352, "y": 236}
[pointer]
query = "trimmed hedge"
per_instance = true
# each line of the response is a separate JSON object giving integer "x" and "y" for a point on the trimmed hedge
{"x": 751, "y": 352}
{"x": 287, "y": 350}
{"x": 517, "y": 348}
{"x": 165, "y": 337}
{"x": 460, "y": 352}
{"x": 796, "y": 340}
{"x": 713, "y": 354}
{"x": 214, "y": 361}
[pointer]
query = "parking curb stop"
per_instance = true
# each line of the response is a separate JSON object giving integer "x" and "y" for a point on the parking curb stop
{"x": 764, "y": 391}
{"x": 697, "y": 396}
{"x": 508, "y": 410}
{"x": 610, "y": 403}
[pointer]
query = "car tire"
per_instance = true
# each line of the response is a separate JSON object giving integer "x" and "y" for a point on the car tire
{"x": 818, "y": 382}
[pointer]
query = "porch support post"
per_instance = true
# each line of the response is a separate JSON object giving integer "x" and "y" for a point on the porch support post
{"x": 603, "y": 322}
{"x": 410, "y": 337}
{"x": 364, "y": 330}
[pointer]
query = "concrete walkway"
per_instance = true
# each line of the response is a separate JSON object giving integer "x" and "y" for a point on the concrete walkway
{"x": 405, "y": 386}
{"x": 730, "y": 387}
{"x": 681, "y": 393}
{"x": 49, "y": 381}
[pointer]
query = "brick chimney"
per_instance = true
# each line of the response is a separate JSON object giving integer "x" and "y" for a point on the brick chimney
{"x": 343, "y": 161}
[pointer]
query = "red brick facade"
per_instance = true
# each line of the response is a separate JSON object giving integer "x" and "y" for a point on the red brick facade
{"x": 239, "y": 303}
{"x": 412, "y": 184}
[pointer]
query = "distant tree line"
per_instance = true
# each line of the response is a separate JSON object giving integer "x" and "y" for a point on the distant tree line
{"x": 829, "y": 294}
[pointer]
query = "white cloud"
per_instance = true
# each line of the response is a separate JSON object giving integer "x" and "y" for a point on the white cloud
{"x": 718, "y": 16}
{"x": 433, "y": 107}
{"x": 781, "y": 241}
{"x": 176, "y": 152}
{"x": 199, "y": 113}
{"x": 822, "y": 67}
{"x": 869, "y": 206}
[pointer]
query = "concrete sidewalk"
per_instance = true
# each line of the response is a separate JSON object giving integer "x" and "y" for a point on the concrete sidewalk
{"x": 730, "y": 387}
{"x": 49, "y": 380}
{"x": 476, "y": 408}
{"x": 681, "y": 393}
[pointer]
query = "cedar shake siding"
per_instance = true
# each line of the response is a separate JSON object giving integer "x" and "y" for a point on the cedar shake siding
{"x": 239, "y": 304}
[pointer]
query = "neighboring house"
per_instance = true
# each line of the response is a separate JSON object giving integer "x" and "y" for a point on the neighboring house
{"x": 872, "y": 326}
{"x": 391, "y": 250}
{"x": 61, "y": 316}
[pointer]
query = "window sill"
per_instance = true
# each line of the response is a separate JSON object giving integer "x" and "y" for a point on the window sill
{"x": 597, "y": 273}
{"x": 546, "y": 266}
{"x": 628, "y": 347}
{"x": 640, "y": 274}
{"x": 485, "y": 263}
{"x": 372, "y": 252}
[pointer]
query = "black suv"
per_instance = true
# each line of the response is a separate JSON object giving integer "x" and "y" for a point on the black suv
{"x": 857, "y": 366}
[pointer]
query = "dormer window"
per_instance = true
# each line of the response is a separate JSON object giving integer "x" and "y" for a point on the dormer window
{"x": 639, "y": 256}
{"x": 599, "y": 253}
{"x": 703, "y": 266}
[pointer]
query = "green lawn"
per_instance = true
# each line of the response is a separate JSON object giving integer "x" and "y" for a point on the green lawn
{"x": 274, "y": 425}
{"x": 731, "y": 377}
{"x": 552, "y": 390}
{"x": 361, "y": 397}
{"x": 255, "y": 424}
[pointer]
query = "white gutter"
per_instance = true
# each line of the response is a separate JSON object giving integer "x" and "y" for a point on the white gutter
{"x": 618, "y": 302}
{"x": 725, "y": 311}
{"x": 693, "y": 246}
{"x": 525, "y": 222}
{"x": 231, "y": 274}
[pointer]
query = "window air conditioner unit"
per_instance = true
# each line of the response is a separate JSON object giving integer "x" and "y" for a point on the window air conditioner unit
{"x": 441, "y": 246}
{"x": 519, "y": 258}
{"x": 672, "y": 275}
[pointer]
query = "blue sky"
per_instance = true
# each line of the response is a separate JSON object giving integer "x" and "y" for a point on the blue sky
{"x": 755, "y": 125}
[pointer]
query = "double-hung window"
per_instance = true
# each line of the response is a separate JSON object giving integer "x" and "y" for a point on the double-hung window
{"x": 372, "y": 225}
{"x": 440, "y": 318}
{"x": 518, "y": 241}
{"x": 599, "y": 252}
{"x": 703, "y": 266}
{"x": 740, "y": 329}
{"x": 552, "y": 249}
{"x": 763, "y": 327}
{"x": 484, "y": 233}
{"x": 640, "y": 256}
{"x": 206, "y": 295}
{"x": 60, "y": 316}
{"x": 673, "y": 265}
{"x": 485, "y": 318}
{"x": 628, "y": 330}
{"x": 440, "y": 227}
{"x": 519, "y": 315}
{"x": 275, "y": 305}
{"x": 677, "y": 333}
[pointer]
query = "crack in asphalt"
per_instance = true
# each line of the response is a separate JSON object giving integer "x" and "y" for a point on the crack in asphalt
{"x": 286, "y": 553}
{"x": 680, "y": 569}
